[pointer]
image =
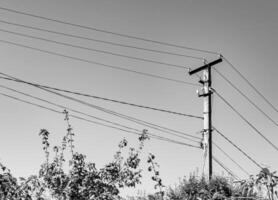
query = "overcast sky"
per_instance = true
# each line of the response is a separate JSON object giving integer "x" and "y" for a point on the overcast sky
{"x": 245, "y": 32}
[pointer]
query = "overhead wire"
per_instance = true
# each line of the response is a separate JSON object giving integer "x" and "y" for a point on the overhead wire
{"x": 63, "y": 107}
{"x": 108, "y": 111}
{"x": 102, "y": 41}
{"x": 225, "y": 168}
{"x": 107, "y": 31}
{"x": 244, "y": 119}
{"x": 245, "y": 96}
{"x": 95, "y": 50}
{"x": 250, "y": 84}
{"x": 238, "y": 148}
{"x": 85, "y": 114}
{"x": 106, "y": 99}
{"x": 99, "y": 64}
{"x": 98, "y": 123}
{"x": 228, "y": 156}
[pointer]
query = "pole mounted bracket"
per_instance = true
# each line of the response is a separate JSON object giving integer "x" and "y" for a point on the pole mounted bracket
{"x": 212, "y": 90}
{"x": 202, "y": 81}
{"x": 204, "y": 94}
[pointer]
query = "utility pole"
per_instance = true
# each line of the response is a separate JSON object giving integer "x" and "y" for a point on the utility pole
{"x": 207, "y": 94}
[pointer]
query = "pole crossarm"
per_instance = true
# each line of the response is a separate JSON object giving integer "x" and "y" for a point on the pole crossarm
{"x": 194, "y": 71}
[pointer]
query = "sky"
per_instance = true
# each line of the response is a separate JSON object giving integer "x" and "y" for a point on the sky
{"x": 245, "y": 32}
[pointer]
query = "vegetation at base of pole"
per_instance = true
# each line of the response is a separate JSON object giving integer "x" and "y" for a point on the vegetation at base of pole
{"x": 260, "y": 187}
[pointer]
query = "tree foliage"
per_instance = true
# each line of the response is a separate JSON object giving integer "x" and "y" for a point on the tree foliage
{"x": 83, "y": 181}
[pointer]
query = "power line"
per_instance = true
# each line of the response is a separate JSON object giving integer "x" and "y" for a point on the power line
{"x": 126, "y": 117}
{"x": 95, "y": 50}
{"x": 228, "y": 156}
{"x": 250, "y": 84}
{"x": 102, "y": 41}
{"x": 107, "y": 32}
{"x": 232, "y": 143}
{"x": 135, "y": 120}
{"x": 100, "y": 64}
{"x": 246, "y": 97}
{"x": 244, "y": 119}
{"x": 64, "y": 107}
{"x": 225, "y": 168}
{"x": 106, "y": 99}
{"x": 139, "y": 133}
{"x": 87, "y": 115}
{"x": 98, "y": 123}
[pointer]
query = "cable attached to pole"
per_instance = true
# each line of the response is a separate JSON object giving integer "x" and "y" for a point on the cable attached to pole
{"x": 246, "y": 97}
{"x": 244, "y": 119}
{"x": 103, "y": 41}
{"x": 94, "y": 50}
{"x": 107, "y": 32}
{"x": 119, "y": 68}
{"x": 98, "y": 123}
{"x": 103, "y": 98}
{"x": 245, "y": 154}
{"x": 85, "y": 114}
{"x": 225, "y": 168}
{"x": 250, "y": 84}
{"x": 228, "y": 156}
{"x": 126, "y": 117}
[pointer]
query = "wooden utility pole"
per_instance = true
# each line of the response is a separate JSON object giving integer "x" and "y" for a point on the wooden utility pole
{"x": 206, "y": 94}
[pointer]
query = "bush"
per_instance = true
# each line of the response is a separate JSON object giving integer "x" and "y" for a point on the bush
{"x": 199, "y": 188}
